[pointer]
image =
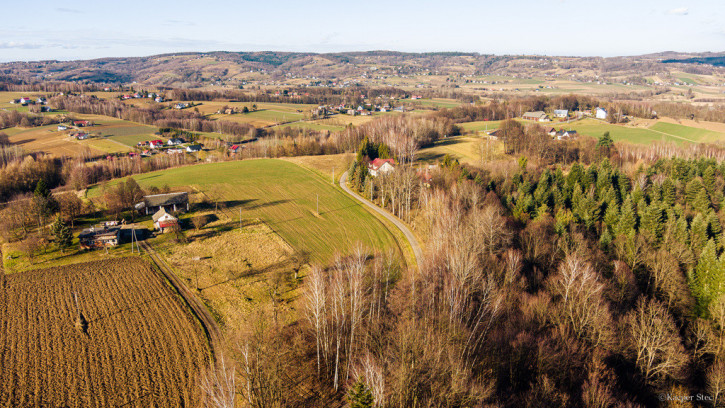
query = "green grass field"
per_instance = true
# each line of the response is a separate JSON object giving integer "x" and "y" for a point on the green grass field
{"x": 284, "y": 196}
{"x": 480, "y": 126}
{"x": 314, "y": 126}
{"x": 699, "y": 135}
{"x": 596, "y": 128}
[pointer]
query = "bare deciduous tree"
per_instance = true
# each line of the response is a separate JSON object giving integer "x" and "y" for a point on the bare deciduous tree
{"x": 218, "y": 384}
{"x": 654, "y": 342}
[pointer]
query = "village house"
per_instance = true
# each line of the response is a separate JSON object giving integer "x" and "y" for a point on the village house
{"x": 175, "y": 151}
{"x": 561, "y": 113}
{"x": 62, "y": 127}
{"x": 381, "y": 166}
{"x": 193, "y": 148}
{"x": 234, "y": 149}
{"x": 155, "y": 144}
{"x": 538, "y": 116}
{"x": 81, "y": 123}
{"x": 100, "y": 237}
{"x": 175, "y": 141}
{"x": 164, "y": 221}
{"x": 80, "y": 135}
{"x": 566, "y": 134}
{"x": 601, "y": 113}
{"x": 170, "y": 202}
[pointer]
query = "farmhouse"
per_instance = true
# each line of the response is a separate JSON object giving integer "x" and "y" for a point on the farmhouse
{"x": 99, "y": 237}
{"x": 80, "y": 135}
{"x": 601, "y": 113}
{"x": 169, "y": 202}
{"x": 566, "y": 134}
{"x": 380, "y": 166}
{"x": 155, "y": 144}
{"x": 81, "y": 123}
{"x": 193, "y": 148}
{"x": 538, "y": 116}
{"x": 175, "y": 141}
{"x": 561, "y": 113}
{"x": 164, "y": 221}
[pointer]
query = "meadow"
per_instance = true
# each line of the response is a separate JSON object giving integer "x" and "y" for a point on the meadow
{"x": 284, "y": 196}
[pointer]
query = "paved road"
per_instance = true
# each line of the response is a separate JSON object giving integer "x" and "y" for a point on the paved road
{"x": 406, "y": 231}
{"x": 207, "y": 321}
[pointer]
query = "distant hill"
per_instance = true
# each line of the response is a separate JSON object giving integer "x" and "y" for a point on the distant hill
{"x": 194, "y": 69}
{"x": 714, "y": 61}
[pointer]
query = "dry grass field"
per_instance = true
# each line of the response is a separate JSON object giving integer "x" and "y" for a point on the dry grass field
{"x": 237, "y": 271}
{"x": 131, "y": 341}
{"x": 48, "y": 139}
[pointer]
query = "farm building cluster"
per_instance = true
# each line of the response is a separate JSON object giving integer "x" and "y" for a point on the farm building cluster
{"x": 564, "y": 114}
{"x": 161, "y": 207}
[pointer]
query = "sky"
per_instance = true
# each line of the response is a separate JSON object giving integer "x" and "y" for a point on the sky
{"x": 79, "y": 29}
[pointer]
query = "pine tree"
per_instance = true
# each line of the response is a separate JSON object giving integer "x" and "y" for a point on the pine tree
{"x": 360, "y": 396}
{"x": 611, "y": 215}
{"x": 62, "y": 235}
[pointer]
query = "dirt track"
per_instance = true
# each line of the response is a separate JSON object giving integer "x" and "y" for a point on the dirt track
{"x": 200, "y": 311}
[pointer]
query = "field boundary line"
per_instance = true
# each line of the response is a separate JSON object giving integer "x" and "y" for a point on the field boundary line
{"x": 197, "y": 308}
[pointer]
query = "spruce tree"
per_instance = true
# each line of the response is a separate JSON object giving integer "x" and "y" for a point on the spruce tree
{"x": 668, "y": 192}
{"x": 708, "y": 179}
{"x": 708, "y": 280}
{"x": 62, "y": 235}
{"x": 702, "y": 201}
{"x": 360, "y": 396}
{"x": 698, "y": 233}
{"x": 627, "y": 219}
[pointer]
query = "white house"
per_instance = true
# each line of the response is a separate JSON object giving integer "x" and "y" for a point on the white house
{"x": 193, "y": 148}
{"x": 164, "y": 221}
{"x": 62, "y": 127}
{"x": 601, "y": 113}
{"x": 561, "y": 113}
{"x": 380, "y": 166}
{"x": 175, "y": 141}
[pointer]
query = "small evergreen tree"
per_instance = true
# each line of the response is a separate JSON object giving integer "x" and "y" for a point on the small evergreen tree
{"x": 62, "y": 235}
{"x": 360, "y": 396}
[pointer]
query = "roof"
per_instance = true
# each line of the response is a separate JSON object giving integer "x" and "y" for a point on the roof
{"x": 159, "y": 200}
{"x": 98, "y": 232}
{"x": 194, "y": 148}
{"x": 537, "y": 114}
{"x": 160, "y": 213}
{"x": 377, "y": 163}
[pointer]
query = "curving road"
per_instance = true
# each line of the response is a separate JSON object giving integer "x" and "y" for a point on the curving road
{"x": 402, "y": 227}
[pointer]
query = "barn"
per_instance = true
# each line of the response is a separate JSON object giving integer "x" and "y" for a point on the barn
{"x": 171, "y": 202}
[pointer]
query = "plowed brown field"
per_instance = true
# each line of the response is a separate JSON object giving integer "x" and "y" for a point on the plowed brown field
{"x": 136, "y": 345}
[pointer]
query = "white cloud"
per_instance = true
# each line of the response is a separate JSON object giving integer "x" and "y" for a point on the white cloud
{"x": 21, "y": 45}
{"x": 680, "y": 11}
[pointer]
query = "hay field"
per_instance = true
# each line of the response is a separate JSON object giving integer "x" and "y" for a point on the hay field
{"x": 233, "y": 269}
{"x": 48, "y": 140}
{"x": 466, "y": 149}
{"x": 135, "y": 344}
{"x": 284, "y": 196}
